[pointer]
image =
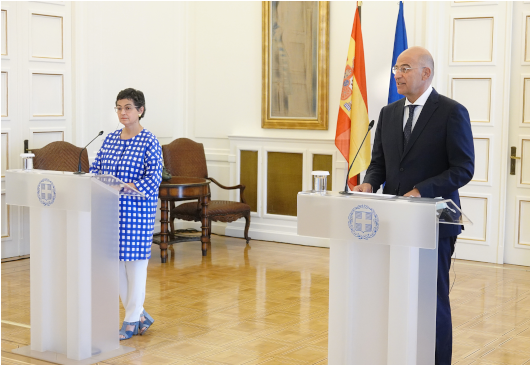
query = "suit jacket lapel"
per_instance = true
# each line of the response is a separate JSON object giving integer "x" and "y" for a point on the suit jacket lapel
{"x": 428, "y": 109}
{"x": 398, "y": 127}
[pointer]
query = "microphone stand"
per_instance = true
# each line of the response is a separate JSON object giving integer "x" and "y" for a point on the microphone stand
{"x": 346, "y": 192}
{"x": 79, "y": 172}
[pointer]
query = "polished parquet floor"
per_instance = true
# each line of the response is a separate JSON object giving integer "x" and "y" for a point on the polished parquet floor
{"x": 267, "y": 303}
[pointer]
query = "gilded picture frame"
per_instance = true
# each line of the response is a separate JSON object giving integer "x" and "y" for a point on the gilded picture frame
{"x": 295, "y": 65}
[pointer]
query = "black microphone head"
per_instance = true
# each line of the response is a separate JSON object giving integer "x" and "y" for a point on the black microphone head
{"x": 371, "y": 125}
{"x": 101, "y": 132}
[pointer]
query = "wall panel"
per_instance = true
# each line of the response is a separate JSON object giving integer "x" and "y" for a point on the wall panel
{"x": 523, "y": 214}
{"x": 324, "y": 163}
{"x": 284, "y": 168}
{"x": 46, "y": 36}
{"x": 6, "y": 220}
{"x": 220, "y": 172}
{"x": 4, "y": 32}
{"x": 525, "y": 162}
{"x": 47, "y": 95}
{"x": 527, "y": 39}
{"x": 482, "y": 159}
{"x": 5, "y": 94}
{"x": 5, "y": 153}
{"x": 249, "y": 177}
{"x": 476, "y": 208}
{"x": 41, "y": 139}
{"x": 475, "y": 95}
{"x": 526, "y": 100}
{"x": 473, "y": 39}
{"x": 284, "y": 181}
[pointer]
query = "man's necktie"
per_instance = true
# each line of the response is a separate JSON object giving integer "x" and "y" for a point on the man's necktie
{"x": 408, "y": 126}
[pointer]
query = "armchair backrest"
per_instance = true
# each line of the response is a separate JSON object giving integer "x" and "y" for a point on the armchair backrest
{"x": 184, "y": 157}
{"x": 60, "y": 156}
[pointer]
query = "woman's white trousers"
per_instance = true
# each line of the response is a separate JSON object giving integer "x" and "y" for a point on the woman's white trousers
{"x": 133, "y": 276}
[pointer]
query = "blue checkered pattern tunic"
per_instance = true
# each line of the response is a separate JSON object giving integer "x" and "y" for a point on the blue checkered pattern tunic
{"x": 137, "y": 160}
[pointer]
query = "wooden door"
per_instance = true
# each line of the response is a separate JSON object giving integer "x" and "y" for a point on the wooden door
{"x": 517, "y": 243}
{"x": 36, "y": 95}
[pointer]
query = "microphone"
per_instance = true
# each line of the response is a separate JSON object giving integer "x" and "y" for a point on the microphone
{"x": 79, "y": 172}
{"x": 370, "y": 126}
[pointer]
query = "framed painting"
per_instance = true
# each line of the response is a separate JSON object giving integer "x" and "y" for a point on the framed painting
{"x": 295, "y": 65}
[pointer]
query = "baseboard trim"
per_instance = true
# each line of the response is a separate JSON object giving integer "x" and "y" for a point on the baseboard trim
{"x": 237, "y": 230}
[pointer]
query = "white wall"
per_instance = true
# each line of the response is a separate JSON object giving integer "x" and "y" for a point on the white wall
{"x": 199, "y": 65}
{"x": 379, "y": 26}
{"x": 138, "y": 45}
{"x": 225, "y": 66}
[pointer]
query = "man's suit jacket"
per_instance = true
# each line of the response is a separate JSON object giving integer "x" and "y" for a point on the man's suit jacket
{"x": 438, "y": 159}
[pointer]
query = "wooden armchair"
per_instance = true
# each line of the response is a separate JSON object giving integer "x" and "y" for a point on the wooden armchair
{"x": 60, "y": 156}
{"x": 184, "y": 157}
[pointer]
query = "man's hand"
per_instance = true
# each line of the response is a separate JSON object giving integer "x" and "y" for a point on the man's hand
{"x": 363, "y": 188}
{"x": 415, "y": 193}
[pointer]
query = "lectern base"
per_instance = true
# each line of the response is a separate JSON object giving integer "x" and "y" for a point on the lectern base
{"x": 62, "y": 359}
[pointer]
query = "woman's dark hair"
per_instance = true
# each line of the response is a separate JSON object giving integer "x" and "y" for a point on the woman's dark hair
{"x": 135, "y": 95}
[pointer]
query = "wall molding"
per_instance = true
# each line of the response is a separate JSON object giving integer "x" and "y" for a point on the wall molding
{"x": 257, "y": 231}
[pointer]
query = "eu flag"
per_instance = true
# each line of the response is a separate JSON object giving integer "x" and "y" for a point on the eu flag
{"x": 400, "y": 44}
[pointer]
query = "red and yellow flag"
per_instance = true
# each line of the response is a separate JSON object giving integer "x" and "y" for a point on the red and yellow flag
{"x": 352, "y": 122}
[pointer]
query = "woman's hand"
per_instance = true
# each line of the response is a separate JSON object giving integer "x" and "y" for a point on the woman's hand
{"x": 132, "y": 186}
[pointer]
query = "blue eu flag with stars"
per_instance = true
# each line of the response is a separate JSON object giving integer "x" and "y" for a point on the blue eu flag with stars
{"x": 400, "y": 44}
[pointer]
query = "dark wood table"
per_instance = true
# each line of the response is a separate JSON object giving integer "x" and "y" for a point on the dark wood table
{"x": 181, "y": 188}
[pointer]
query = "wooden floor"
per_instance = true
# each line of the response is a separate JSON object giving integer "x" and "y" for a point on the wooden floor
{"x": 267, "y": 303}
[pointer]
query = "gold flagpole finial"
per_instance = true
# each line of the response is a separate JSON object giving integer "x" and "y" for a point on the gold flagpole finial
{"x": 359, "y": 3}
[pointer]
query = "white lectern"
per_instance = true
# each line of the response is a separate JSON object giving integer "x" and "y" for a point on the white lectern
{"x": 382, "y": 273}
{"x": 74, "y": 227}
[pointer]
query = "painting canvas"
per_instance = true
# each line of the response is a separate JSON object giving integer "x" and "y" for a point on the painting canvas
{"x": 295, "y": 64}
{"x": 293, "y": 61}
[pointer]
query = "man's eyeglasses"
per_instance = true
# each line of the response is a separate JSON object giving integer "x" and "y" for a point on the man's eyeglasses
{"x": 119, "y": 109}
{"x": 403, "y": 69}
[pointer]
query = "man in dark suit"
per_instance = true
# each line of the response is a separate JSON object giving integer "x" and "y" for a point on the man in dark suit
{"x": 423, "y": 147}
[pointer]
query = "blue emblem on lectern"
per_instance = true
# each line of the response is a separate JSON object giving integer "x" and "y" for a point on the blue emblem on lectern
{"x": 46, "y": 192}
{"x": 363, "y": 222}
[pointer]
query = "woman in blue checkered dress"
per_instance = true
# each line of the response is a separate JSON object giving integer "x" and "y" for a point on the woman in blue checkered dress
{"x": 133, "y": 154}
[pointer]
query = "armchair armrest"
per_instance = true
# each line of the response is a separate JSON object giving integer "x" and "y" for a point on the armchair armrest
{"x": 240, "y": 187}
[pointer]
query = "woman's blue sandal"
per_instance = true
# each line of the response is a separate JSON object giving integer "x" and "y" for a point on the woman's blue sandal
{"x": 128, "y": 334}
{"x": 144, "y": 326}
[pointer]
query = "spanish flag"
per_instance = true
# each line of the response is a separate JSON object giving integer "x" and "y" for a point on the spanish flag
{"x": 352, "y": 122}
